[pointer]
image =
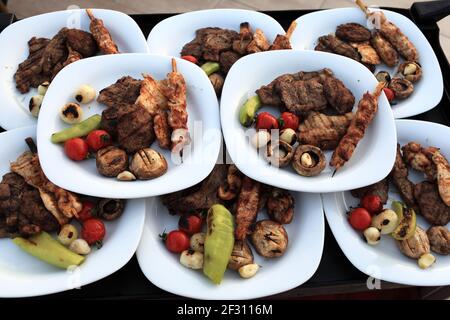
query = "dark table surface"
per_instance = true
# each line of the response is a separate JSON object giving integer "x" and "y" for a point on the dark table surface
{"x": 335, "y": 273}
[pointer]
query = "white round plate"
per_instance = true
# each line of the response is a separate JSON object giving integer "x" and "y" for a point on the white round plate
{"x": 385, "y": 261}
{"x": 22, "y": 275}
{"x": 14, "y": 111}
{"x": 298, "y": 264}
{"x": 82, "y": 177}
{"x": 427, "y": 92}
{"x": 180, "y": 29}
{"x": 251, "y": 72}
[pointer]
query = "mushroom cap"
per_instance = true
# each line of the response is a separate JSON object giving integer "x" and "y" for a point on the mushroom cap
{"x": 148, "y": 164}
{"x": 269, "y": 238}
{"x": 317, "y": 155}
{"x": 402, "y": 88}
{"x": 241, "y": 255}
{"x": 274, "y": 154}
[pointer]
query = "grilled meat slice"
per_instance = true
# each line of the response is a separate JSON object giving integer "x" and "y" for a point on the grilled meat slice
{"x": 443, "y": 176}
{"x": 384, "y": 49}
{"x": 432, "y": 208}
{"x": 380, "y": 189}
{"x": 82, "y": 42}
{"x": 352, "y": 32}
{"x": 399, "y": 177}
{"x": 369, "y": 55}
{"x": 55, "y": 52}
{"x": 325, "y": 139}
{"x": 227, "y": 59}
{"x": 337, "y": 95}
{"x": 216, "y": 41}
{"x": 151, "y": 96}
{"x": 245, "y": 37}
{"x": 162, "y": 130}
{"x": 301, "y": 97}
{"x": 281, "y": 42}
{"x": 420, "y": 159}
{"x": 247, "y": 207}
{"x": 339, "y": 47}
{"x": 125, "y": 91}
{"x": 29, "y": 73}
{"x": 101, "y": 35}
{"x": 259, "y": 42}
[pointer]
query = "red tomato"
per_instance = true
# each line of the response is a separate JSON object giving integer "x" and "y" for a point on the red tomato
{"x": 176, "y": 241}
{"x": 87, "y": 212}
{"x": 372, "y": 203}
{"x": 98, "y": 139}
{"x": 190, "y": 59}
{"x": 390, "y": 95}
{"x": 93, "y": 231}
{"x": 360, "y": 219}
{"x": 288, "y": 120}
{"x": 190, "y": 223}
{"x": 76, "y": 149}
{"x": 266, "y": 121}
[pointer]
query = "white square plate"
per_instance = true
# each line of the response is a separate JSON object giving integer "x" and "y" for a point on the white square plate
{"x": 14, "y": 107}
{"x": 251, "y": 72}
{"x": 22, "y": 275}
{"x": 427, "y": 92}
{"x": 385, "y": 261}
{"x": 82, "y": 177}
{"x": 296, "y": 266}
{"x": 180, "y": 29}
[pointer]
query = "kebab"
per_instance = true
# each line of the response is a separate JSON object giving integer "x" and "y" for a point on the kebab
{"x": 365, "y": 113}
{"x": 101, "y": 35}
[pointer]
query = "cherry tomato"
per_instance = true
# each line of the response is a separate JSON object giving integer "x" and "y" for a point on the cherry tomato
{"x": 266, "y": 121}
{"x": 76, "y": 149}
{"x": 93, "y": 231}
{"x": 288, "y": 120}
{"x": 360, "y": 219}
{"x": 176, "y": 241}
{"x": 98, "y": 139}
{"x": 87, "y": 212}
{"x": 190, "y": 59}
{"x": 190, "y": 223}
{"x": 372, "y": 203}
{"x": 390, "y": 95}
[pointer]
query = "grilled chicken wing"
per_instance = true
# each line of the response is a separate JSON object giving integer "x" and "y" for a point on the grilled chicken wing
{"x": 101, "y": 35}
{"x": 247, "y": 207}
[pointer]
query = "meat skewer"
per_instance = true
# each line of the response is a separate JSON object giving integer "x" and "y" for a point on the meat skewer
{"x": 393, "y": 34}
{"x": 101, "y": 35}
{"x": 247, "y": 207}
{"x": 367, "y": 109}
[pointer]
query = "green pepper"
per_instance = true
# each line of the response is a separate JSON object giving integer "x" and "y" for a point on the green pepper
{"x": 78, "y": 130}
{"x": 248, "y": 110}
{"x": 210, "y": 67}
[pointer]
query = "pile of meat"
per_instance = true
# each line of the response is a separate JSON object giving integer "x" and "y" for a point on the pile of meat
{"x": 48, "y": 56}
{"x": 245, "y": 198}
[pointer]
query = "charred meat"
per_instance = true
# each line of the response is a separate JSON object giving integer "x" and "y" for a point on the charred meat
{"x": 125, "y": 91}
{"x": 352, "y": 32}
{"x": 432, "y": 208}
{"x": 247, "y": 207}
{"x": 337, "y": 95}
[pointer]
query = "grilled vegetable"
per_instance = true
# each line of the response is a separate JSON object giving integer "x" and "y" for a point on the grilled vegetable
{"x": 415, "y": 246}
{"x": 288, "y": 135}
{"x": 308, "y": 160}
{"x": 383, "y": 76}
{"x": 288, "y": 120}
{"x": 71, "y": 113}
{"x": 279, "y": 153}
{"x": 76, "y": 149}
{"x": 372, "y": 235}
{"x": 67, "y": 234}
{"x": 248, "y": 110}
{"x": 197, "y": 242}
{"x": 269, "y": 238}
{"x": 35, "y": 105}
{"x": 80, "y": 246}
{"x": 45, "y": 248}
{"x": 359, "y": 219}
{"x": 190, "y": 59}
{"x": 402, "y": 88}
{"x": 93, "y": 231}
{"x": 79, "y": 130}
{"x": 176, "y": 241}
{"x": 148, "y": 164}
{"x": 210, "y": 67}
{"x": 217, "y": 81}
{"x": 42, "y": 89}
{"x": 192, "y": 259}
{"x": 111, "y": 161}
{"x": 98, "y": 139}
{"x": 386, "y": 221}
{"x": 126, "y": 176}
{"x": 190, "y": 223}
{"x": 390, "y": 94}
{"x": 219, "y": 242}
{"x": 110, "y": 209}
{"x": 372, "y": 203}
{"x": 412, "y": 71}
{"x": 241, "y": 255}
{"x": 85, "y": 94}
{"x": 266, "y": 121}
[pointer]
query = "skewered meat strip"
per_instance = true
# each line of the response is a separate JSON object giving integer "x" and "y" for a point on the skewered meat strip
{"x": 151, "y": 96}
{"x": 101, "y": 35}
{"x": 338, "y": 95}
{"x": 432, "y": 208}
{"x": 245, "y": 37}
{"x": 352, "y": 32}
{"x": 339, "y": 47}
{"x": 384, "y": 49}
{"x": 55, "y": 52}
{"x": 368, "y": 54}
{"x": 124, "y": 92}
{"x": 61, "y": 203}
{"x": 367, "y": 109}
{"x": 399, "y": 177}
{"x": 420, "y": 159}
{"x": 443, "y": 176}
{"x": 162, "y": 130}
{"x": 29, "y": 71}
{"x": 282, "y": 42}
{"x": 380, "y": 189}
{"x": 393, "y": 34}
{"x": 247, "y": 207}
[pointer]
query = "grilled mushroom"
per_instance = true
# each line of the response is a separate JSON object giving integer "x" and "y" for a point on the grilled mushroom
{"x": 269, "y": 238}
{"x": 240, "y": 256}
{"x": 279, "y": 153}
{"x": 402, "y": 88}
{"x": 111, "y": 161}
{"x": 411, "y": 71}
{"x": 110, "y": 209}
{"x": 308, "y": 160}
{"x": 415, "y": 246}
{"x": 383, "y": 76}
{"x": 280, "y": 206}
{"x": 439, "y": 237}
{"x": 148, "y": 164}
{"x": 231, "y": 188}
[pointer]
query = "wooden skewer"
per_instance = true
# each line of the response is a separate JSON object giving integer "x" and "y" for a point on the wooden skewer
{"x": 363, "y": 7}
{"x": 90, "y": 14}
{"x": 174, "y": 65}
{"x": 376, "y": 93}
{"x": 291, "y": 29}
{"x": 334, "y": 172}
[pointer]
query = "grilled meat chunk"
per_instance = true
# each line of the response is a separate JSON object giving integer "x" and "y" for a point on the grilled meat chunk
{"x": 384, "y": 49}
{"x": 439, "y": 239}
{"x": 227, "y": 59}
{"x": 281, "y": 42}
{"x": 55, "y": 52}
{"x": 369, "y": 55}
{"x": 337, "y": 95}
{"x": 162, "y": 130}
{"x": 432, "y": 208}
{"x": 280, "y": 206}
{"x": 151, "y": 96}
{"x": 443, "y": 176}
{"x": 301, "y": 97}
{"x": 82, "y": 42}
{"x": 339, "y": 47}
{"x": 420, "y": 159}
{"x": 352, "y": 32}
{"x": 245, "y": 37}
{"x": 321, "y": 47}
{"x": 380, "y": 189}
{"x": 110, "y": 117}
{"x": 125, "y": 91}
{"x": 259, "y": 42}
{"x": 247, "y": 207}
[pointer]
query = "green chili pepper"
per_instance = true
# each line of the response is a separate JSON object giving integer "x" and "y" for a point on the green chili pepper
{"x": 210, "y": 67}
{"x": 79, "y": 130}
{"x": 248, "y": 110}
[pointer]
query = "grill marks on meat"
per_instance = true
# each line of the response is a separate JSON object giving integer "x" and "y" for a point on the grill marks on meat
{"x": 301, "y": 96}
{"x": 22, "y": 212}
{"x": 399, "y": 177}
{"x": 125, "y": 91}
{"x": 247, "y": 207}
{"x": 227, "y": 59}
{"x": 384, "y": 49}
{"x": 352, "y": 32}
{"x": 151, "y": 96}
{"x": 82, "y": 42}
{"x": 380, "y": 189}
{"x": 337, "y": 95}
{"x": 443, "y": 176}
{"x": 29, "y": 72}
{"x": 322, "y": 130}
{"x": 432, "y": 208}
{"x": 339, "y": 47}
{"x": 101, "y": 35}
{"x": 55, "y": 52}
